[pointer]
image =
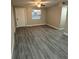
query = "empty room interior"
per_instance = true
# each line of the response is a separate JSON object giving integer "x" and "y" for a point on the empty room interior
{"x": 39, "y": 29}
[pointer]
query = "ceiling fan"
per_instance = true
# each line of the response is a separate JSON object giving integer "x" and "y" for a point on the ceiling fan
{"x": 39, "y": 3}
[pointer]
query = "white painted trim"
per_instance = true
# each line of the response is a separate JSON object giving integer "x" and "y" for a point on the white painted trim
{"x": 55, "y": 27}
{"x": 41, "y": 24}
{"x": 19, "y": 26}
{"x": 65, "y": 33}
{"x": 61, "y": 28}
{"x": 52, "y": 26}
{"x": 31, "y": 25}
{"x": 35, "y": 25}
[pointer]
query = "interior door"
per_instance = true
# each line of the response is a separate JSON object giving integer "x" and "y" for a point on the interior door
{"x": 20, "y": 17}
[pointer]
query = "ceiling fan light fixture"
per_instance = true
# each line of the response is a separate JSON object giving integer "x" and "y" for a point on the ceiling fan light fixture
{"x": 39, "y": 5}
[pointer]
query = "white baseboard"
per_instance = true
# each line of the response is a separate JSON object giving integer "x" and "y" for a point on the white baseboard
{"x": 31, "y": 25}
{"x": 35, "y": 25}
{"x": 65, "y": 33}
{"x": 55, "y": 27}
{"x": 52, "y": 26}
{"x": 61, "y": 28}
{"x": 43, "y": 24}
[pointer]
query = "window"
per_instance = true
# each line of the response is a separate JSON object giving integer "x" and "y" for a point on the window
{"x": 36, "y": 14}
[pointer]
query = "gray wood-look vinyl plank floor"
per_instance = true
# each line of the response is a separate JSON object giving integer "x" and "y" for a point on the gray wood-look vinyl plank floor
{"x": 40, "y": 42}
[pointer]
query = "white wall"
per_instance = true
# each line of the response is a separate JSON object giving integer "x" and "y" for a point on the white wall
{"x": 53, "y": 15}
{"x": 63, "y": 16}
{"x": 30, "y": 21}
{"x": 12, "y": 28}
{"x": 28, "y": 15}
